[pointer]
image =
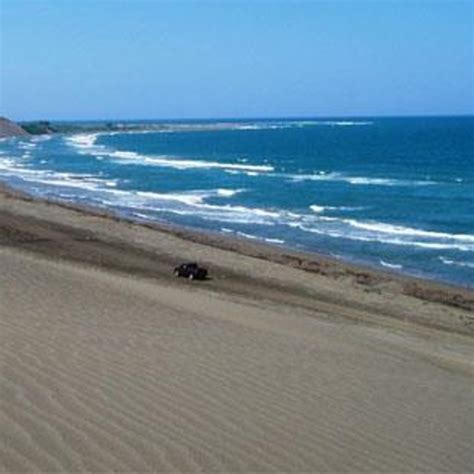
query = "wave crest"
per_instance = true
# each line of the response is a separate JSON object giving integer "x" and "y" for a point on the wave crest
{"x": 356, "y": 180}
{"x": 86, "y": 144}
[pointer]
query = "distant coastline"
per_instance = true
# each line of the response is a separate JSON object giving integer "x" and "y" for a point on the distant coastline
{"x": 9, "y": 128}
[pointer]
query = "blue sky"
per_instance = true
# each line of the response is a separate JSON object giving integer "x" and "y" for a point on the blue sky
{"x": 108, "y": 59}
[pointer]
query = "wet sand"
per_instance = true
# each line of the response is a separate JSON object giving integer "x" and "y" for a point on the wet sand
{"x": 279, "y": 362}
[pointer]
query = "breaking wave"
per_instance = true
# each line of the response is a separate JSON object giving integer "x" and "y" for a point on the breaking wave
{"x": 168, "y": 161}
{"x": 85, "y": 181}
{"x": 320, "y": 209}
{"x": 457, "y": 263}
{"x": 246, "y": 235}
{"x": 275, "y": 125}
{"x": 356, "y": 180}
{"x": 86, "y": 144}
{"x": 379, "y": 227}
{"x": 384, "y": 233}
{"x": 393, "y": 266}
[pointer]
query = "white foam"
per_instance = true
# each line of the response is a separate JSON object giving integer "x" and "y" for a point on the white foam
{"x": 349, "y": 123}
{"x": 83, "y": 140}
{"x": 86, "y": 144}
{"x": 345, "y": 233}
{"x": 228, "y": 192}
{"x": 276, "y": 125}
{"x": 67, "y": 182}
{"x": 191, "y": 198}
{"x": 127, "y": 155}
{"x": 88, "y": 182}
{"x": 391, "y": 265}
{"x": 189, "y": 203}
{"x": 249, "y": 236}
{"x": 41, "y": 138}
{"x": 142, "y": 216}
{"x": 317, "y": 209}
{"x": 177, "y": 163}
{"x": 248, "y": 127}
{"x": 274, "y": 241}
{"x": 457, "y": 263}
{"x": 257, "y": 237}
{"x": 372, "y": 181}
{"x": 379, "y": 227}
{"x": 70, "y": 180}
{"x": 356, "y": 180}
{"x": 27, "y": 145}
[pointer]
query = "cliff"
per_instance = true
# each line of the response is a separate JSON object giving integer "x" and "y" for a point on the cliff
{"x": 10, "y": 129}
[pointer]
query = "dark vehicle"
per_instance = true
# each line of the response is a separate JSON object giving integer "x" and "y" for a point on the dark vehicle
{"x": 191, "y": 271}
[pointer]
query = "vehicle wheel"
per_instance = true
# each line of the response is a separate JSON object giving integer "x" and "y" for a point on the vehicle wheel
{"x": 176, "y": 273}
{"x": 191, "y": 276}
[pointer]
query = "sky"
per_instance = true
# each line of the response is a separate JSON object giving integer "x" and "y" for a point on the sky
{"x": 132, "y": 59}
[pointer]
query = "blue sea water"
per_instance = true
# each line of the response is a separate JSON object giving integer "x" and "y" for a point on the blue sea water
{"x": 396, "y": 193}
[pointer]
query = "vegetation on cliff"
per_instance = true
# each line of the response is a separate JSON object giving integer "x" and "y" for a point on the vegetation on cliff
{"x": 39, "y": 128}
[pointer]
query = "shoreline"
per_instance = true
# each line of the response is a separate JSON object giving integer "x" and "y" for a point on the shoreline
{"x": 330, "y": 270}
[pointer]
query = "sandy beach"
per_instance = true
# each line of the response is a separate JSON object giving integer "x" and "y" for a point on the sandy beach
{"x": 280, "y": 362}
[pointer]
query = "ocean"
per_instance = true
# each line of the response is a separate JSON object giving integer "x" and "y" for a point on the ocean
{"x": 394, "y": 193}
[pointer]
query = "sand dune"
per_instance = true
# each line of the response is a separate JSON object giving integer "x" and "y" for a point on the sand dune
{"x": 110, "y": 365}
{"x": 102, "y": 372}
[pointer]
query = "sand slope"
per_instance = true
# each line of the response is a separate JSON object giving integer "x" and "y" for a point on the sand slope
{"x": 106, "y": 372}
